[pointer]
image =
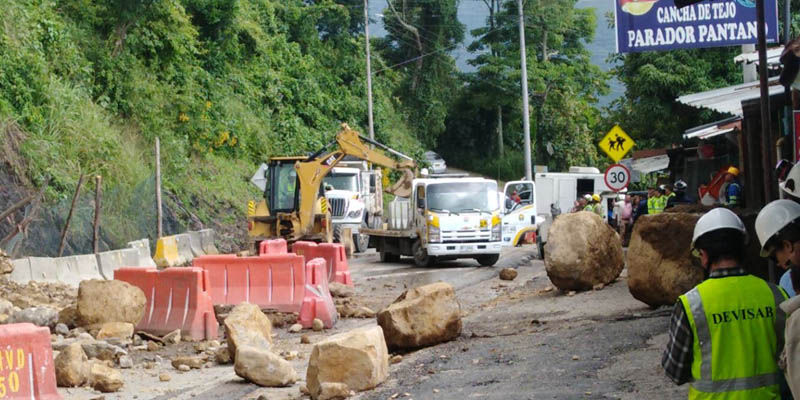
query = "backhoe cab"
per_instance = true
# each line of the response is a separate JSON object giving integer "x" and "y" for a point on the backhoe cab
{"x": 294, "y": 206}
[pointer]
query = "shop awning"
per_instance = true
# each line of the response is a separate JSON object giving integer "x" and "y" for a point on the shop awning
{"x": 714, "y": 129}
{"x": 729, "y": 99}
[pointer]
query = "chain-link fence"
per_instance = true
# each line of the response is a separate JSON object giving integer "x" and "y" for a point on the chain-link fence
{"x": 128, "y": 212}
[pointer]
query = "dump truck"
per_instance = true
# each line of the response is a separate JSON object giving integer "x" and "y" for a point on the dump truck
{"x": 355, "y": 197}
{"x": 451, "y": 216}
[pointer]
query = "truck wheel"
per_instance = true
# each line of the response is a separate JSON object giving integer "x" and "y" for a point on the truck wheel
{"x": 487, "y": 260}
{"x": 361, "y": 240}
{"x": 540, "y": 247}
{"x": 421, "y": 257}
{"x": 337, "y": 233}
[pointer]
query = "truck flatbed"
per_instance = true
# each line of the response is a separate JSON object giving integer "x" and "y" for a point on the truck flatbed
{"x": 390, "y": 233}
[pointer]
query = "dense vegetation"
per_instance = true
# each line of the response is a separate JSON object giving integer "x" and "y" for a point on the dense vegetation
{"x": 223, "y": 84}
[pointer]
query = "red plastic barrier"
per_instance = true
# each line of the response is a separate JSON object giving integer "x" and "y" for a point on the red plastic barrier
{"x": 281, "y": 282}
{"x": 275, "y": 281}
{"x": 334, "y": 255}
{"x": 26, "y": 357}
{"x": 275, "y": 246}
{"x": 317, "y": 302}
{"x": 177, "y": 298}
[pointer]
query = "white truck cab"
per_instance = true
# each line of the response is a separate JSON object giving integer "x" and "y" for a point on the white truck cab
{"x": 355, "y": 200}
{"x": 519, "y": 211}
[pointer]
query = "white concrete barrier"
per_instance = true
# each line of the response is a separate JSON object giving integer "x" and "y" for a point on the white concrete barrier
{"x": 110, "y": 261}
{"x": 43, "y": 269}
{"x": 143, "y": 248}
{"x": 22, "y": 270}
{"x": 195, "y": 242}
{"x": 184, "y": 248}
{"x": 207, "y": 241}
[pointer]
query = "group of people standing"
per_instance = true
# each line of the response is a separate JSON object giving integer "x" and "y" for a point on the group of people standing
{"x": 737, "y": 336}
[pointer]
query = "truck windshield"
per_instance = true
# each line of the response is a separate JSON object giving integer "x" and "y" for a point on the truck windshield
{"x": 463, "y": 196}
{"x": 342, "y": 181}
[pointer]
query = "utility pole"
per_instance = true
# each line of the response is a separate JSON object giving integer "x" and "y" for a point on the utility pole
{"x": 369, "y": 71}
{"x": 766, "y": 123}
{"x": 526, "y": 124}
{"x": 788, "y": 118}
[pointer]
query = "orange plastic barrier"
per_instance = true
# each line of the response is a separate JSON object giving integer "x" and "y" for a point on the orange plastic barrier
{"x": 334, "y": 255}
{"x": 275, "y": 246}
{"x": 177, "y": 298}
{"x": 317, "y": 302}
{"x": 28, "y": 370}
{"x": 279, "y": 281}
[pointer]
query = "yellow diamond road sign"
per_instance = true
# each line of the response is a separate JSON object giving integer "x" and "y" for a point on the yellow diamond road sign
{"x": 616, "y": 143}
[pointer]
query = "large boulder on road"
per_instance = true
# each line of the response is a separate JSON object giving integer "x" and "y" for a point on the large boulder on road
{"x": 101, "y": 301}
{"x": 660, "y": 264}
{"x": 246, "y": 325}
{"x": 421, "y": 317}
{"x": 262, "y": 367}
{"x": 358, "y": 359}
{"x": 582, "y": 251}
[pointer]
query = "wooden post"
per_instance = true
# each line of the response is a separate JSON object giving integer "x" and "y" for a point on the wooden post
{"x": 16, "y": 207}
{"x": 159, "y": 216}
{"x": 69, "y": 216}
{"x": 97, "y": 198}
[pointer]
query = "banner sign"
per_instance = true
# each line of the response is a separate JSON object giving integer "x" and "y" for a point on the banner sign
{"x": 648, "y": 25}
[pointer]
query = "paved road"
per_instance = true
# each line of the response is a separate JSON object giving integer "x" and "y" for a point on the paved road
{"x": 521, "y": 340}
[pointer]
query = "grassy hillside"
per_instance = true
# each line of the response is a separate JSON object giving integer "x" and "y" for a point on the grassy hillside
{"x": 87, "y": 86}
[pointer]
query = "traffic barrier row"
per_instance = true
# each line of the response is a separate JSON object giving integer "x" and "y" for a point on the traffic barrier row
{"x": 177, "y": 298}
{"x": 28, "y": 368}
{"x": 333, "y": 253}
{"x": 283, "y": 282}
{"x": 181, "y": 249}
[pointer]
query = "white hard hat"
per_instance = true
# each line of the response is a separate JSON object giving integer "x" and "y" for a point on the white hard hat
{"x": 792, "y": 183}
{"x": 773, "y": 218}
{"x": 718, "y": 218}
{"x": 587, "y": 196}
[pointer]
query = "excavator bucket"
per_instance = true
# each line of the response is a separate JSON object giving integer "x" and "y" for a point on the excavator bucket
{"x": 403, "y": 186}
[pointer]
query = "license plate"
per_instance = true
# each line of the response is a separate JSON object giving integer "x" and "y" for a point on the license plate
{"x": 465, "y": 249}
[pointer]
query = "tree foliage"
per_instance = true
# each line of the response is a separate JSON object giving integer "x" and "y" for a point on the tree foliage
{"x": 563, "y": 85}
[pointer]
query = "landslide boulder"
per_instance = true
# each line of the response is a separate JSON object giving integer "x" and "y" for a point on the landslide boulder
{"x": 6, "y": 267}
{"x": 101, "y": 301}
{"x": 70, "y": 366}
{"x": 660, "y": 264}
{"x": 421, "y": 317}
{"x": 358, "y": 359}
{"x": 263, "y": 367}
{"x": 247, "y": 325}
{"x": 582, "y": 251}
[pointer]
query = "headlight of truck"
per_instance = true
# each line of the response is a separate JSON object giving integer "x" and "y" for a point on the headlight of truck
{"x": 354, "y": 214}
{"x": 434, "y": 234}
{"x": 496, "y": 233}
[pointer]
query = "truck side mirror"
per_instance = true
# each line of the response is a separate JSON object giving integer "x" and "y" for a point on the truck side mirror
{"x": 420, "y": 202}
{"x": 372, "y": 183}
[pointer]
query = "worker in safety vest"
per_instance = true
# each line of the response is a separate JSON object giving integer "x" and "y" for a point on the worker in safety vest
{"x": 589, "y": 203}
{"x": 652, "y": 201}
{"x": 596, "y": 206}
{"x": 730, "y": 193}
{"x": 726, "y": 333}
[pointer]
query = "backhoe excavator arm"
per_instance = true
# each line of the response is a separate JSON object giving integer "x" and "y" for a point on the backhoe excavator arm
{"x": 311, "y": 172}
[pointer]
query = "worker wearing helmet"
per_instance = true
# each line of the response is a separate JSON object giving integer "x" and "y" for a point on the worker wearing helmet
{"x": 725, "y": 333}
{"x": 596, "y": 206}
{"x": 679, "y": 195}
{"x": 778, "y": 230}
{"x": 589, "y": 203}
{"x": 730, "y": 193}
{"x": 792, "y": 183}
{"x": 666, "y": 194}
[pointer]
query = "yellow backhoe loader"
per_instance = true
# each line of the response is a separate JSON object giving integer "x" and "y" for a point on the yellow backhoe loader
{"x": 292, "y": 207}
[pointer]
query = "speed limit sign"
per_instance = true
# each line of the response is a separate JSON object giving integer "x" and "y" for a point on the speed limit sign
{"x": 617, "y": 177}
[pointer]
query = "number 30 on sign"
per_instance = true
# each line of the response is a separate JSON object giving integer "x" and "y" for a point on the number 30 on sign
{"x": 617, "y": 177}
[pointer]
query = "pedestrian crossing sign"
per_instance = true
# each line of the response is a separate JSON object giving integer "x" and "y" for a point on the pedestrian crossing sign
{"x": 616, "y": 143}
